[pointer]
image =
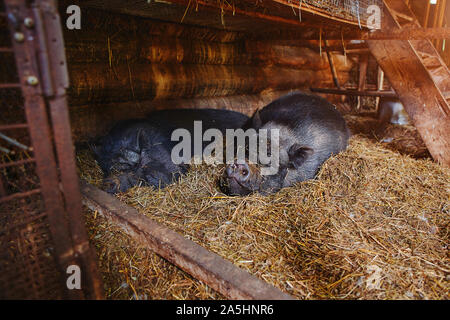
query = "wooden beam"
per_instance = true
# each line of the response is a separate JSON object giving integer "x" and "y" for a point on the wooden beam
{"x": 440, "y": 22}
{"x": 420, "y": 89}
{"x": 380, "y": 84}
{"x": 332, "y": 67}
{"x": 349, "y": 92}
{"x": 418, "y": 93}
{"x": 363, "y": 65}
{"x": 406, "y": 33}
{"x": 219, "y": 6}
{"x": 427, "y": 15}
{"x": 349, "y": 47}
{"x": 219, "y": 274}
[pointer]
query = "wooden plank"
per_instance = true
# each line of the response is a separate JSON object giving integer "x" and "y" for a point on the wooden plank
{"x": 418, "y": 93}
{"x": 363, "y": 64}
{"x": 419, "y": 88}
{"x": 368, "y": 93}
{"x": 407, "y": 33}
{"x": 427, "y": 53}
{"x": 332, "y": 67}
{"x": 380, "y": 84}
{"x": 427, "y": 15}
{"x": 219, "y": 274}
{"x": 141, "y": 81}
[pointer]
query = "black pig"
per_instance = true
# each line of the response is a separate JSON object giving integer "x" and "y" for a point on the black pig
{"x": 138, "y": 151}
{"x": 310, "y": 131}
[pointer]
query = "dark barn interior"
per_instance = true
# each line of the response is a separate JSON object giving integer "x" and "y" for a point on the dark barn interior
{"x": 374, "y": 224}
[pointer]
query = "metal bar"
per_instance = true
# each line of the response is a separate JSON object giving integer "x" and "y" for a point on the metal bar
{"x": 30, "y": 219}
{"x": 13, "y": 126}
{"x": 16, "y": 163}
{"x": 72, "y": 195}
{"x": 14, "y": 142}
{"x": 43, "y": 54}
{"x": 53, "y": 61}
{"x": 387, "y": 94}
{"x": 208, "y": 267}
{"x": 3, "y": 192}
{"x": 4, "y": 150}
{"x": 20, "y": 195}
{"x": 9, "y": 85}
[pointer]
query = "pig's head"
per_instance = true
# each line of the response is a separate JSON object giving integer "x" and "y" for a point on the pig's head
{"x": 136, "y": 158}
{"x": 119, "y": 158}
{"x": 280, "y": 160}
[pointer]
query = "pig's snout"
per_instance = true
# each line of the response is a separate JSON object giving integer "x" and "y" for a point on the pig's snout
{"x": 240, "y": 172}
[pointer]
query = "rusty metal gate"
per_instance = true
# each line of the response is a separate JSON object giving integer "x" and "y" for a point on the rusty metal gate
{"x": 42, "y": 232}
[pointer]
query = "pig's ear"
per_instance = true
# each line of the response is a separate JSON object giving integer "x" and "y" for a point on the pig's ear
{"x": 298, "y": 155}
{"x": 256, "y": 120}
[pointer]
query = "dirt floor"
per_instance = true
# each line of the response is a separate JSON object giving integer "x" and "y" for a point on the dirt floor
{"x": 373, "y": 225}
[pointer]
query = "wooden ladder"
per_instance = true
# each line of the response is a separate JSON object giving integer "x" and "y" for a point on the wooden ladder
{"x": 419, "y": 76}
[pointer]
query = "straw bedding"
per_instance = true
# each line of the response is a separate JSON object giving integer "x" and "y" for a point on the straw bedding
{"x": 373, "y": 225}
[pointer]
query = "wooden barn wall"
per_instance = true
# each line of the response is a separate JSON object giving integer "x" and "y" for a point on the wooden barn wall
{"x": 124, "y": 66}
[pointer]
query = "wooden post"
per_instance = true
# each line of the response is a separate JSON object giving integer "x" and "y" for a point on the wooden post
{"x": 427, "y": 15}
{"x": 332, "y": 67}
{"x": 418, "y": 93}
{"x": 440, "y": 23}
{"x": 363, "y": 63}
{"x": 219, "y": 274}
{"x": 350, "y": 92}
{"x": 420, "y": 88}
{"x": 380, "y": 83}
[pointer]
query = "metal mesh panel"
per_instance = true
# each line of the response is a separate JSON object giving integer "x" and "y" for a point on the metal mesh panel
{"x": 41, "y": 230}
{"x": 352, "y": 10}
{"x": 27, "y": 265}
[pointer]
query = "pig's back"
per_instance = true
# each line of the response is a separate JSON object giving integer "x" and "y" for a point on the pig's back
{"x": 311, "y": 118}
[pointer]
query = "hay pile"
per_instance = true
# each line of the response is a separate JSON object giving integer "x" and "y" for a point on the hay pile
{"x": 374, "y": 225}
{"x": 404, "y": 139}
